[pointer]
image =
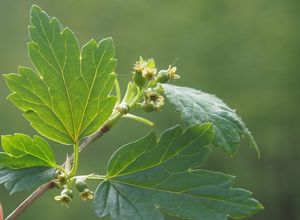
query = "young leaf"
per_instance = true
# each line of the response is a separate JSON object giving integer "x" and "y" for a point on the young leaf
{"x": 25, "y": 179}
{"x": 199, "y": 107}
{"x": 21, "y": 151}
{"x": 147, "y": 176}
{"x": 66, "y": 97}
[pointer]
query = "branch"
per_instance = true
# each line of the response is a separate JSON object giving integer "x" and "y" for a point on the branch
{"x": 30, "y": 200}
{"x": 50, "y": 185}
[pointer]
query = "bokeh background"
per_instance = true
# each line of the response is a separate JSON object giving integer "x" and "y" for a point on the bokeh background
{"x": 246, "y": 52}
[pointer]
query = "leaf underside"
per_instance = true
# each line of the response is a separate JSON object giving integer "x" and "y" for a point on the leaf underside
{"x": 25, "y": 179}
{"x": 199, "y": 107}
{"x": 66, "y": 96}
{"x": 21, "y": 151}
{"x": 149, "y": 176}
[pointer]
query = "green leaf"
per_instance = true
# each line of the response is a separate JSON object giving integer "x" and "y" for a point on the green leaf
{"x": 21, "y": 151}
{"x": 66, "y": 96}
{"x": 149, "y": 176}
{"x": 25, "y": 179}
{"x": 199, "y": 107}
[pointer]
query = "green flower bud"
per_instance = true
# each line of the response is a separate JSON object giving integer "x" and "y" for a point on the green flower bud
{"x": 148, "y": 106}
{"x": 163, "y": 76}
{"x": 81, "y": 185}
{"x": 67, "y": 192}
{"x": 159, "y": 89}
{"x": 65, "y": 197}
{"x": 123, "y": 108}
{"x": 144, "y": 71}
{"x": 139, "y": 79}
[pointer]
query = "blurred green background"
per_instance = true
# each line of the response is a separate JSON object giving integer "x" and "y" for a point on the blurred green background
{"x": 246, "y": 52}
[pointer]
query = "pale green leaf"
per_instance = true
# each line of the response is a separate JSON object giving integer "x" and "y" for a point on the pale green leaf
{"x": 66, "y": 96}
{"x": 149, "y": 176}
{"x": 199, "y": 107}
{"x": 25, "y": 179}
{"x": 21, "y": 151}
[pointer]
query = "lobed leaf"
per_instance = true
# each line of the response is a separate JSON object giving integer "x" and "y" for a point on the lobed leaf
{"x": 66, "y": 96}
{"x": 21, "y": 151}
{"x": 198, "y": 107}
{"x": 149, "y": 176}
{"x": 25, "y": 179}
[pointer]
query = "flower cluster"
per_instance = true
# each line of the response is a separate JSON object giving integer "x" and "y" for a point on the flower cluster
{"x": 66, "y": 194}
{"x": 148, "y": 78}
{"x": 145, "y": 71}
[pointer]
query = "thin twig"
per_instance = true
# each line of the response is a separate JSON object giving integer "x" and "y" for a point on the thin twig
{"x": 50, "y": 185}
{"x": 30, "y": 200}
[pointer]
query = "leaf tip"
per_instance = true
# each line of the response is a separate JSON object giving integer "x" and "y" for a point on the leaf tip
{"x": 35, "y": 9}
{"x": 6, "y": 75}
{"x": 108, "y": 39}
{"x": 252, "y": 143}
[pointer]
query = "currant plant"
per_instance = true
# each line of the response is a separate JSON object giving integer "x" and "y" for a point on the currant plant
{"x": 66, "y": 97}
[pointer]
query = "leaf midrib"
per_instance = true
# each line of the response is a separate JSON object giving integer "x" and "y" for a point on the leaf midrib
{"x": 180, "y": 193}
{"x": 62, "y": 74}
{"x": 159, "y": 163}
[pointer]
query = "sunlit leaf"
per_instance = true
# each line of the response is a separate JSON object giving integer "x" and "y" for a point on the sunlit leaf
{"x": 199, "y": 107}
{"x": 21, "y": 151}
{"x": 149, "y": 176}
{"x": 66, "y": 96}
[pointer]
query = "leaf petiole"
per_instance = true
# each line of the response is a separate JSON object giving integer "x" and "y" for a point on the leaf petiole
{"x": 60, "y": 168}
{"x": 139, "y": 119}
{"x": 75, "y": 161}
{"x": 118, "y": 91}
{"x": 90, "y": 177}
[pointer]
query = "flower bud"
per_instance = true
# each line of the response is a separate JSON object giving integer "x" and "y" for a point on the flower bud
{"x": 65, "y": 197}
{"x": 84, "y": 192}
{"x": 144, "y": 71}
{"x": 148, "y": 106}
{"x": 81, "y": 185}
{"x": 139, "y": 79}
{"x": 159, "y": 89}
{"x": 123, "y": 108}
{"x": 162, "y": 76}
